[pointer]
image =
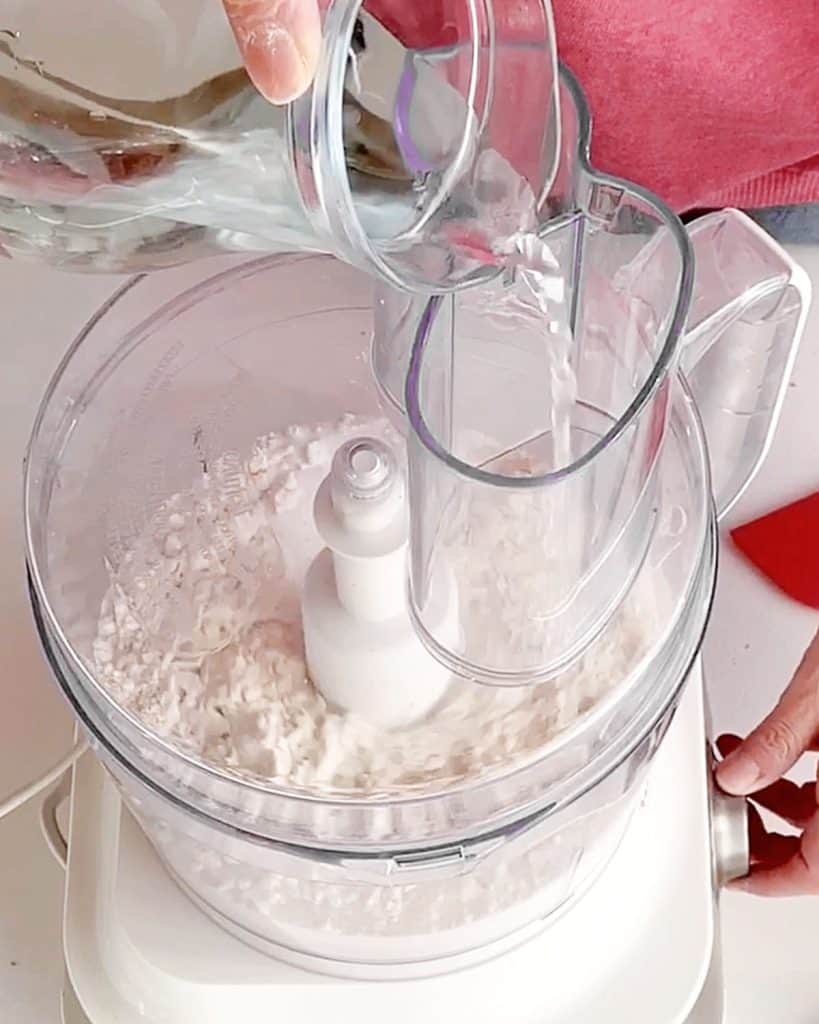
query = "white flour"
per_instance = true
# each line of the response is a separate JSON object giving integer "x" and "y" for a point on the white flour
{"x": 200, "y": 637}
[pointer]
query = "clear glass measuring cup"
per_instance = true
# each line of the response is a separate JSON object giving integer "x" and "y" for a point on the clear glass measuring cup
{"x": 536, "y": 431}
{"x": 142, "y": 143}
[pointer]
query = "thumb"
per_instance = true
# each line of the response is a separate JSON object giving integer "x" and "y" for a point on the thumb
{"x": 279, "y": 41}
{"x": 780, "y": 740}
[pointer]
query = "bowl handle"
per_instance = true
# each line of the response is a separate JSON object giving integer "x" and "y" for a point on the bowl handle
{"x": 748, "y": 312}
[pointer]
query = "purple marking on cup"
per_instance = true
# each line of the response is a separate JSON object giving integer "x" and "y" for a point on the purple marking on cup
{"x": 401, "y": 124}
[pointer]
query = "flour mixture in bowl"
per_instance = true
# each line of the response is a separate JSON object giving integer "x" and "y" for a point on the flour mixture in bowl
{"x": 200, "y": 638}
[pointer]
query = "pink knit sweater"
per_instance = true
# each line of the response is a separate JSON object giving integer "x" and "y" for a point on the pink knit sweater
{"x": 708, "y": 103}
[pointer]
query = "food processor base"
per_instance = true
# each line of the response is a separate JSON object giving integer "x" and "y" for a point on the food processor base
{"x": 640, "y": 946}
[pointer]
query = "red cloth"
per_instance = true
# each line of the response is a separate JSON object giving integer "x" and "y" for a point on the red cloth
{"x": 708, "y": 103}
{"x": 781, "y": 546}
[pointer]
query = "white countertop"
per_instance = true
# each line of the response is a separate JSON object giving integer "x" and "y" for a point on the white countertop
{"x": 755, "y": 640}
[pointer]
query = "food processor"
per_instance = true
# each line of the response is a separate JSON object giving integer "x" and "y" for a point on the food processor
{"x": 514, "y": 481}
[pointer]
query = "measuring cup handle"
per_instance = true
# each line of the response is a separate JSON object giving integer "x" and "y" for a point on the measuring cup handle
{"x": 747, "y": 317}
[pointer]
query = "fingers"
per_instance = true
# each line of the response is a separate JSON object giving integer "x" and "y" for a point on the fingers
{"x": 279, "y": 41}
{"x": 794, "y": 804}
{"x": 768, "y": 849}
{"x": 786, "y": 865}
{"x": 775, "y": 745}
{"x": 781, "y": 865}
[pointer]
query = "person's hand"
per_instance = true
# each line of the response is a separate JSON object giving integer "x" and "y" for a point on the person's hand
{"x": 279, "y": 41}
{"x": 780, "y": 865}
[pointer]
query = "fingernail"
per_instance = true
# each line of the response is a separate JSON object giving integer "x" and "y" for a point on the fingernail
{"x": 738, "y": 774}
{"x": 274, "y": 62}
{"x": 280, "y": 44}
{"x": 739, "y": 885}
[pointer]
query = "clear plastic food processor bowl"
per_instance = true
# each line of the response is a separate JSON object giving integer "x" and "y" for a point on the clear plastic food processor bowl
{"x": 176, "y": 379}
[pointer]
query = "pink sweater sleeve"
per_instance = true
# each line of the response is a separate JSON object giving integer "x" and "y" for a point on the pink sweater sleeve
{"x": 706, "y": 102}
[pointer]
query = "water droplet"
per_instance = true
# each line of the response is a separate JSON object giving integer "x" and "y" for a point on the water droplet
{"x": 97, "y": 115}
